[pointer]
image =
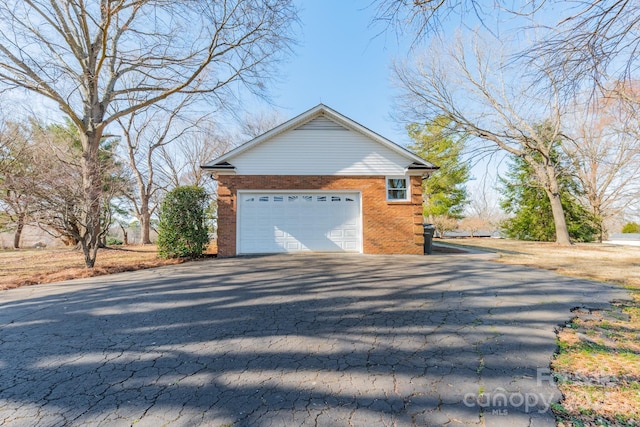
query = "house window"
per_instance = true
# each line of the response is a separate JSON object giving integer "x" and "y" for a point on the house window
{"x": 397, "y": 189}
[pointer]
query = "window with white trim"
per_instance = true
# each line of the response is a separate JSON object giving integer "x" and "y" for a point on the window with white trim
{"x": 397, "y": 189}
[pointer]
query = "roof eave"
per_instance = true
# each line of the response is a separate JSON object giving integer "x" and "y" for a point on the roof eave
{"x": 219, "y": 168}
{"x": 420, "y": 169}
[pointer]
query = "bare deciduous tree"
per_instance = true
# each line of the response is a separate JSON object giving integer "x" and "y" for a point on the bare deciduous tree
{"x": 16, "y": 176}
{"x": 103, "y": 60}
{"x": 39, "y": 182}
{"x": 484, "y": 202}
{"x": 256, "y": 124}
{"x": 443, "y": 223}
{"x": 473, "y": 224}
{"x": 590, "y": 41}
{"x": 57, "y": 199}
{"x": 181, "y": 162}
{"x": 605, "y": 150}
{"x": 470, "y": 87}
{"x": 145, "y": 134}
{"x": 422, "y": 18}
{"x": 598, "y": 41}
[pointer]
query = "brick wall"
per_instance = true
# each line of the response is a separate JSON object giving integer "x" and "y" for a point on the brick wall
{"x": 388, "y": 227}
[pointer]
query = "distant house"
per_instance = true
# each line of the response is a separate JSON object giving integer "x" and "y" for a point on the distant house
{"x": 319, "y": 182}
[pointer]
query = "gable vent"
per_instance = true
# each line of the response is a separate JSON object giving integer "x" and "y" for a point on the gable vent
{"x": 321, "y": 123}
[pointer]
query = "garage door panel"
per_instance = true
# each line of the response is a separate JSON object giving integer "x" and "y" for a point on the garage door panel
{"x": 292, "y": 246}
{"x": 350, "y": 233}
{"x": 336, "y": 233}
{"x": 350, "y": 246}
{"x": 285, "y": 222}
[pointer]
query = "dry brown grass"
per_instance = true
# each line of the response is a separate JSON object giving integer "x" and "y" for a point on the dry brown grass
{"x": 610, "y": 263}
{"x": 25, "y": 267}
{"x": 596, "y": 405}
{"x": 598, "y": 361}
{"x": 598, "y": 367}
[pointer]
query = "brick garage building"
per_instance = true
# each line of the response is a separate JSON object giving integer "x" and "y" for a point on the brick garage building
{"x": 319, "y": 182}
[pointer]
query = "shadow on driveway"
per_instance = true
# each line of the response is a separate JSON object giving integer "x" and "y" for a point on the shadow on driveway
{"x": 290, "y": 340}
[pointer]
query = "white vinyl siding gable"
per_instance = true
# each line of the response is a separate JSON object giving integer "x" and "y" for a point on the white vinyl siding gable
{"x": 320, "y": 147}
{"x": 321, "y": 123}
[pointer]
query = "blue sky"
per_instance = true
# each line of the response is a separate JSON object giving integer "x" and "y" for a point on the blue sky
{"x": 343, "y": 62}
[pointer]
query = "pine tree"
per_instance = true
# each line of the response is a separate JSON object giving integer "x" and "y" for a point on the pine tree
{"x": 444, "y": 191}
{"x": 532, "y": 216}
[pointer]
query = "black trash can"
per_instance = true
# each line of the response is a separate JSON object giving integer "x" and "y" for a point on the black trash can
{"x": 429, "y": 232}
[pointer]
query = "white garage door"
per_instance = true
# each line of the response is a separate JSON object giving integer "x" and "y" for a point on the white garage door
{"x": 296, "y": 222}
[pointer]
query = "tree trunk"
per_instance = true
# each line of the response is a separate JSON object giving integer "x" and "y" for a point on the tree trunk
{"x": 548, "y": 177}
{"x": 562, "y": 232}
{"x": 553, "y": 192}
{"x": 18, "y": 233}
{"x": 597, "y": 214}
{"x": 145, "y": 221}
{"x": 92, "y": 191}
{"x": 125, "y": 235}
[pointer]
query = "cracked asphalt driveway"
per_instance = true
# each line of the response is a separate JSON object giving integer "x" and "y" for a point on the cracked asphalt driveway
{"x": 290, "y": 340}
